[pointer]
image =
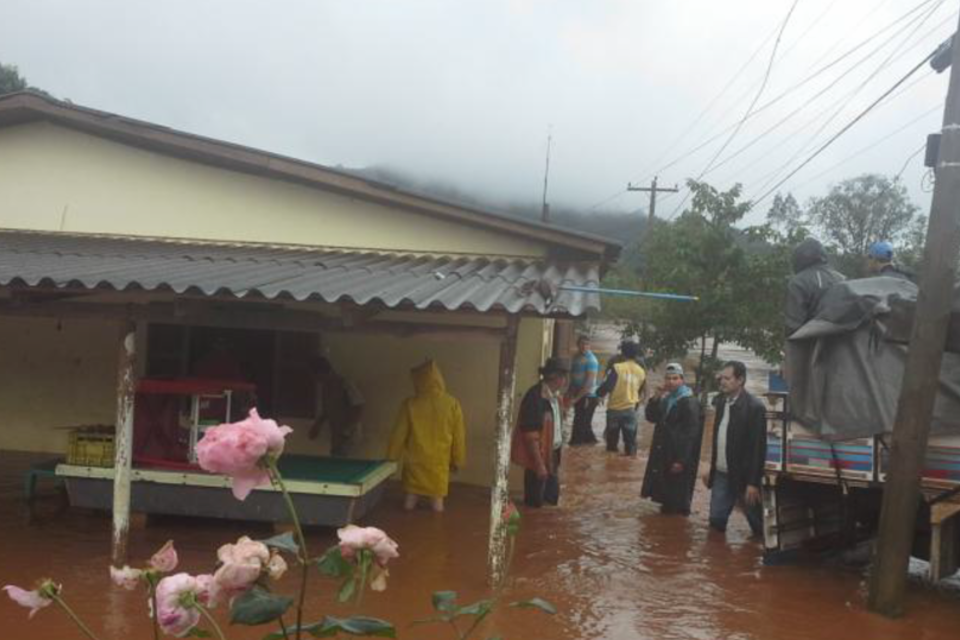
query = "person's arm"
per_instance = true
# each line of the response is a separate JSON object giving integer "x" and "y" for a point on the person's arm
{"x": 757, "y": 453}
{"x": 652, "y": 411}
{"x": 530, "y": 424}
{"x": 531, "y": 439}
{"x": 584, "y": 391}
{"x": 608, "y": 384}
{"x": 458, "y": 449}
{"x": 685, "y": 436}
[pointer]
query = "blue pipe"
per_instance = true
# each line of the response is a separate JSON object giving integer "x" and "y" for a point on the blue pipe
{"x": 627, "y": 292}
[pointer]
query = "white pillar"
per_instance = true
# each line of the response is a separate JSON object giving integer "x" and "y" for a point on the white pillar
{"x": 126, "y": 387}
{"x": 499, "y": 492}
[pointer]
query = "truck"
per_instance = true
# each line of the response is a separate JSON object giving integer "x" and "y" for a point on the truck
{"x": 830, "y": 424}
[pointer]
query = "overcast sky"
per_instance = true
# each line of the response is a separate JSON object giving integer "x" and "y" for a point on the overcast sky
{"x": 466, "y": 92}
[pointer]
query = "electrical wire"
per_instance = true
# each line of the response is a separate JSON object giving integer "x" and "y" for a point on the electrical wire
{"x": 909, "y": 158}
{"x": 846, "y": 127}
{"x": 753, "y": 103}
{"x": 843, "y": 102}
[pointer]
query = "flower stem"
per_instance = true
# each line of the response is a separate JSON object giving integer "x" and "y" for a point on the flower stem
{"x": 283, "y": 627}
{"x": 278, "y": 480}
{"x": 213, "y": 623}
{"x": 153, "y": 600}
{"x": 63, "y": 605}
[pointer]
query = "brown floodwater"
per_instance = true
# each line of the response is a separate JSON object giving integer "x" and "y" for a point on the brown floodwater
{"x": 614, "y": 567}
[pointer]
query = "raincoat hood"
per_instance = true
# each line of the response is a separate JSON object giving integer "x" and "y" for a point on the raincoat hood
{"x": 427, "y": 379}
{"x": 807, "y": 254}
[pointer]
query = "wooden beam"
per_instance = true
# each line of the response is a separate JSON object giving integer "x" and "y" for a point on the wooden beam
{"x": 126, "y": 385}
{"x": 499, "y": 492}
{"x": 911, "y": 430}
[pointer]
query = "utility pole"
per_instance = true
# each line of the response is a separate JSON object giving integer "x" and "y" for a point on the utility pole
{"x": 545, "y": 210}
{"x": 653, "y": 189}
{"x": 911, "y": 429}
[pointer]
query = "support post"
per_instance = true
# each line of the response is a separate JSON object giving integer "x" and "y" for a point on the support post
{"x": 499, "y": 494}
{"x": 126, "y": 386}
{"x": 920, "y": 378}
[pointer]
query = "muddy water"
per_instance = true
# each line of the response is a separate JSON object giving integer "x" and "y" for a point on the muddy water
{"x": 613, "y": 566}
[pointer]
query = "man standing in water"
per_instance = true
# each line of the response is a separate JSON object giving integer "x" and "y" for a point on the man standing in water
{"x": 583, "y": 392}
{"x": 341, "y": 406}
{"x": 538, "y": 437}
{"x": 739, "y": 451}
{"x": 671, "y": 472}
{"x": 624, "y": 384}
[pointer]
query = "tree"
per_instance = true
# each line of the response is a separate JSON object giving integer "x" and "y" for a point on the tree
{"x": 858, "y": 212}
{"x": 785, "y": 215}
{"x": 11, "y": 81}
{"x": 737, "y": 274}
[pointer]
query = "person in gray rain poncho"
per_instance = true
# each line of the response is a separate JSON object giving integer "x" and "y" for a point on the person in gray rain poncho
{"x": 812, "y": 277}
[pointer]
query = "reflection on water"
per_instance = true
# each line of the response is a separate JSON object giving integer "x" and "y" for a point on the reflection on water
{"x": 614, "y": 567}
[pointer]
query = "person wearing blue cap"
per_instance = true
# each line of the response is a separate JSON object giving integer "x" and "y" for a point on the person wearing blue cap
{"x": 880, "y": 262}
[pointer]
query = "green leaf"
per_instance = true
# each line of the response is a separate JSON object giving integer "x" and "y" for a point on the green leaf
{"x": 292, "y": 631}
{"x": 284, "y": 542}
{"x": 445, "y": 601}
{"x": 535, "y": 603}
{"x": 347, "y": 589}
{"x": 332, "y": 564}
{"x": 355, "y": 626}
{"x": 480, "y": 608}
{"x": 258, "y": 606}
{"x": 197, "y": 632}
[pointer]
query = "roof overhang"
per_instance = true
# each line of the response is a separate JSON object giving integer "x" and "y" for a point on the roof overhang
{"x": 78, "y": 262}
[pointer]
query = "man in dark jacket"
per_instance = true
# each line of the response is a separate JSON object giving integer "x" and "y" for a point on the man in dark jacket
{"x": 671, "y": 472}
{"x": 812, "y": 277}
{"x": 739, "y": 451}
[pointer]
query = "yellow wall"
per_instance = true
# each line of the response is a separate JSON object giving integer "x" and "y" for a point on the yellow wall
{"x": 65, "y": 374}
{"x": 54, "y": 374}
{"x": 380, "y": 366}
{"x": 56, "y": 179}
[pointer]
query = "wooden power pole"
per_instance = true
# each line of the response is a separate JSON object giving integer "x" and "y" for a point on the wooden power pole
{"x": 653, "y": 189}
{"x": 921, "y": 376}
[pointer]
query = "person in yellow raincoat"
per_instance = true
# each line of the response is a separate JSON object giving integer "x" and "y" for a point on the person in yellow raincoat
{"x": 429, "y": 437}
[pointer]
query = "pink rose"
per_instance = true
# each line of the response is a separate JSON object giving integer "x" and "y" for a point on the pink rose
{"x": 207, "y": 590}
{"x": 241, "y": 565}
{"x": 165, "y": 560}
{"x": 354, "y": 538}
{"x": 126, "y": 578}
{"x": 237, "y": 450}
{"x": 33, "y": 600}
{"x": 176, "y": 597}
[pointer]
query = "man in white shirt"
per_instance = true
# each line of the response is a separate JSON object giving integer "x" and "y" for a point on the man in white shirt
{"x": 739, "y": 451}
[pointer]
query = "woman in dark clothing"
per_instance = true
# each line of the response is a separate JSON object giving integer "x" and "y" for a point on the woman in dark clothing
{"x": 675, "y": 452}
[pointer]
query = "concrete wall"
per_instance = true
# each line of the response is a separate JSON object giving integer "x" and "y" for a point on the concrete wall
{"x": 56, "y": 179}
{"x": 64, "y": 373}
{"x": 54, "y": 373}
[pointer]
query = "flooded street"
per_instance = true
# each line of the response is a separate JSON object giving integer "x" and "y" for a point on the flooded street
{"x": 611, "y": 563}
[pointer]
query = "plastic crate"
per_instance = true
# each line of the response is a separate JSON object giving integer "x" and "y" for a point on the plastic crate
{"x": 91, "y": 446}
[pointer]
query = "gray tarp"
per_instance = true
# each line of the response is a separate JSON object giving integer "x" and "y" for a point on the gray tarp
{"x": 845, "y": 378}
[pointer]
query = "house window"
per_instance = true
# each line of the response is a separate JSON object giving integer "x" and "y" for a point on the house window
{"x": 277, "y": 362}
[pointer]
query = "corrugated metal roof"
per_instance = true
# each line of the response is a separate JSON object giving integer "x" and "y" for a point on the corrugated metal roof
{"x": 242, "y": 270}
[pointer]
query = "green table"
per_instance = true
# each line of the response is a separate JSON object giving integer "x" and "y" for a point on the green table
{"x": 326, "y": 491}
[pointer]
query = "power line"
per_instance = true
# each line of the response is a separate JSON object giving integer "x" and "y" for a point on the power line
{"x": 842, "y": 103}
{"x": 753, "y": 103}
{"x": 809, "y": 78}
{"x": 807, "y": 103}
{"x": 845, "y": 128}
{"x": 909, "y": 158}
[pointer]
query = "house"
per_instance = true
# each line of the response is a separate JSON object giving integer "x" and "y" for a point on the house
{"x": 115, "y": 229}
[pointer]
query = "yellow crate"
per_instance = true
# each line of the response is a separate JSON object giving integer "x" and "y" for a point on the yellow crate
{"x": 91, "y": 447}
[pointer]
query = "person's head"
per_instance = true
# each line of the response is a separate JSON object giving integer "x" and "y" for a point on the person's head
{"x": 583, "y": 343}
{"x": 673, "y": 376}
{"x": 322, "y": 367}
{"x": 732, "y": 377}
{"x": 554, "y": 373}
{"x": 807, "y": 254}
{"x": 630, "y": 350}
{"x": 879, "y": 255}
